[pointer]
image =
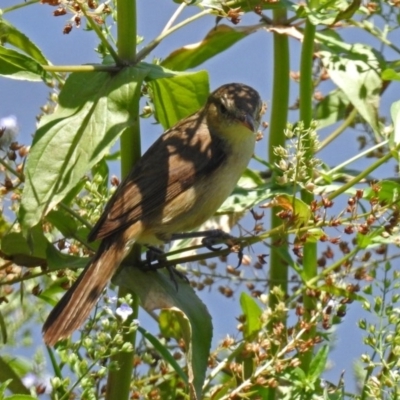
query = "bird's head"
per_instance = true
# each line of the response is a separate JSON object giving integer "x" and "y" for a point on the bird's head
{"x": 234, "y": 104}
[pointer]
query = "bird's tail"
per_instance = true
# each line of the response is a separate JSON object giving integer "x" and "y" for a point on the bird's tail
{"x": 75, "y": 306}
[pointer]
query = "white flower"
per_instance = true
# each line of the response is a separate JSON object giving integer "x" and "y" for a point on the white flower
{"x": 9, "y": 129}
{"x": 124, "y": 311}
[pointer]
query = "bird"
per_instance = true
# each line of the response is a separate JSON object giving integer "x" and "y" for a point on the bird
{"x": 177, "y": 184}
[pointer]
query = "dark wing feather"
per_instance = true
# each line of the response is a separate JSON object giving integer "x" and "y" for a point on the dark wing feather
{"x": 165, "y": 170}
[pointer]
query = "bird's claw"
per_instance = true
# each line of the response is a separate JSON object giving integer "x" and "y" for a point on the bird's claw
{"x": 220, "y": 236}
{"x": 156, "y": 259}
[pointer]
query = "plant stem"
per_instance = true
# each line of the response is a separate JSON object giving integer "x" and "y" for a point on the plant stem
{"x": 360, "y": 176}
{"x": 279, "y": 111}
{"x": 80, "y": 68}
{"x": 119, "y": 379}
{"x": 306, "y": 109}
{"x": 174, "y": 17}
{"x": 101, "y": 36}
{"x": 154, "y": 43}
{"x": 343, "y": 126}
{"x": 351, "y": 160}
{"x": 12, "y": 8}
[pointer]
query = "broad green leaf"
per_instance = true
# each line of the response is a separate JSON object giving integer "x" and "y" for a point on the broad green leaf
{"x": 349, "y": 11}
{"x": 314, "y": 235}
{"x": 10, "y": 34}
{"x": 245, "y": 5}
{"x": 252, "y": 313}
{"x": 7, "y": 372}
{"x": 179, "y": 96}
{"x": 340, "y": 292}
{"x": 244, "y": 198}
{"x": 20, "y": 397}
{"x": 384, "y": 191}
{"x": 94, "y": 109}
{"x": 29, "y": 250}
{"x": 395, "y": 114}
{"x": 300, "y": 210}
{"x": 19, "y": 66}
{"x": 357, "y": 74}
{"x": 320, "y": 16}
{"x": 216, "y": 41}
{"x": 57, "y": 260}
{"x": 390, "y": 74}
{"x": 331, "y": 109}
{"x": 156, "y": 291}
{"x": 63, "y": 222}
{"x": 318, "y": 363}
{"x": 375, "y": 237}
{"x": 164, "y": 352}
{"x": 3, "y": 329}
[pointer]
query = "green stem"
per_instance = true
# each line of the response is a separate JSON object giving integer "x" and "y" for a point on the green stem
{"x": 175, "y": 15}
{"x": 310, "y": 249}
{"x": 10, "y": 169}
{"x": 360, "y": 176}
{"x": 101, "y": 36}
{"x": 279, "y": 113}
{"x": 12, "y": 8}
{"x": 343, "y": 126}
{"x": 119, "y": 379}
{"x": 349, "y": 161}
{"x": 279, "y": 270}
{"x": 126, "y": 30}
{"x": 154, "y": 43}
{"x": 80, "y": 68}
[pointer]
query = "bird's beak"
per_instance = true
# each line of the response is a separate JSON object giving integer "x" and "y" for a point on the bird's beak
{"x": 248, "y": 121}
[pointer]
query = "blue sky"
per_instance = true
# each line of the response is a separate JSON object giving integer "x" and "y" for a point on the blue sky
{"x": 249, "y": 61}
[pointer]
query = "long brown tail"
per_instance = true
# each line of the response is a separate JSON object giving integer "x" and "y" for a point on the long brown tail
{"x": 76, "y": 304}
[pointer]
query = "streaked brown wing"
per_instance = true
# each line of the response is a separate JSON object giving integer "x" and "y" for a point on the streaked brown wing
{"x": 170, "y": 166}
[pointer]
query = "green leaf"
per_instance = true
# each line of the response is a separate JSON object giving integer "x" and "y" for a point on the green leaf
{"x": 252, "y": 313}
{"x": 10, "y": 34}
{"x": 27, "y": 251}
{"x": 340, "y": 292}
{"x": 244, "y": 5}
{"x": 164, "y": 353}
{"x": 7, "y": 372}
{"x": 19, "y": 66}
{"x": 331, "y": 109}
{"x": 384, "y": 191}
{"x": 356, "y": 71}
{"x": 57, "y": 260}
{"x": 94, "y": 109}
{"x": 300, "y": 210}
{"x": 63, "y": 222}
{"x": 349, "y": 11}
{"x": 3, "y": 329}
{"x": 390, "y": 74}
{"x": 395, "y": 114}
{"x": 179, "y": 96}
{"x": 216, "y": 41}
{"x": 318, "y": 363}
{"x": 156, "y": 291}
{"x": 250, "y": 190}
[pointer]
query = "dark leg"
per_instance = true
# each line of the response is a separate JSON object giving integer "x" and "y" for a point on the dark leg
{"x": 211, "y": 238}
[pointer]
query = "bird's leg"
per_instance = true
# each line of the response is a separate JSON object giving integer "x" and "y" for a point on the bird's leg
{"x": 154, "y": 254}
{"x": 212, "y": 237}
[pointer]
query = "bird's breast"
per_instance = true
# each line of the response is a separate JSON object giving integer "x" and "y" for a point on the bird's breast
{"x": 198, "y": 203}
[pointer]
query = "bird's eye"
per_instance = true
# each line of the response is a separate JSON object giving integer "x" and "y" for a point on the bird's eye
{"x": 222, "y": 109}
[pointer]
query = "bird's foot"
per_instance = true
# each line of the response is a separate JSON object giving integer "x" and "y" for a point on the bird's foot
{"x": 217, "y": 236}
{"x": 156, "y": 259}
{"x": 213, "y": 237}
